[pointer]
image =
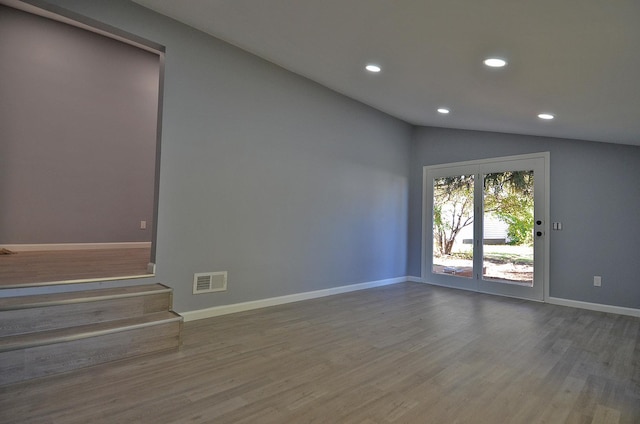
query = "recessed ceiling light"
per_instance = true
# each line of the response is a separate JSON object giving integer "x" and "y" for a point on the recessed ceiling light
{"x": 443, "y": 110}
{"x": 495, "y": 62}
{"x": 545, "y": 116}
{"x": 373, "y": 68}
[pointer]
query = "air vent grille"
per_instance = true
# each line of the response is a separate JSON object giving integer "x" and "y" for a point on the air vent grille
{"x": 207, "y": 282}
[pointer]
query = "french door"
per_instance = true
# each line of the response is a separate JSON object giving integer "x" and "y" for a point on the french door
{"x": 485, "y": 225}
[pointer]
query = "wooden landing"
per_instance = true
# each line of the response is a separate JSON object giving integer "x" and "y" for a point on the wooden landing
{"x": 26, "y": 269}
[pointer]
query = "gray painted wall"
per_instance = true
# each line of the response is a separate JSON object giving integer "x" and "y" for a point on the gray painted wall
{"x": 292, "y": 187}
{"x": 78, "y": 114}
{"x": 288, "y": 186}
{"x": 594, "y": 193}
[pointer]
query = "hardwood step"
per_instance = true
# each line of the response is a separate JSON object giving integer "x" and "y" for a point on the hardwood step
{"x": 27, "y": 356}
{"x": 33, "y": 313}
{"x": 40, "y": 300}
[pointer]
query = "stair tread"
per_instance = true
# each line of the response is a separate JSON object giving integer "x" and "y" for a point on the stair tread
{"x": 21, "y": 341}
{"x": 51, "y": 299}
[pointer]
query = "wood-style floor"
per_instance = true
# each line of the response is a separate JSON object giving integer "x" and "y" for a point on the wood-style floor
{"x": 407, "y": 353}
{"x": 25, "y": 268}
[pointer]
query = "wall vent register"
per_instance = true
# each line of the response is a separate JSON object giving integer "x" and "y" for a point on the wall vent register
{"x": 207, "y": 282}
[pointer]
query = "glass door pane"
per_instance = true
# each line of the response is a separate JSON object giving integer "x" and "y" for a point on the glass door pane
{"x": 485, "y": 225}
{"x": 453, "y": 205}
{"x": 508, "y": 227}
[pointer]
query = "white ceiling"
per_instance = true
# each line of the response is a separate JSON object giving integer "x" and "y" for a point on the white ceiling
{"x": 577, "y": 59}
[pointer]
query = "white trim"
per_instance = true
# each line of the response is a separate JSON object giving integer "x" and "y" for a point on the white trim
{"x": 425, "y": 207}
{"x": 620, "y": 310}
{"x": 76, "y": 246}
{"x": 273, "y": 301}
{"x": 426, "y": 232}
{"x": 476, "y": 162}
{"x": 547, "y": 227}
{"x": 598, "y": 307}
{"x": 414, "y": 279}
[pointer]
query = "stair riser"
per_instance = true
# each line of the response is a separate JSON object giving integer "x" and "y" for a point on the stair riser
{"x": 24, "y": 364}
{"x": 67, "y": 315}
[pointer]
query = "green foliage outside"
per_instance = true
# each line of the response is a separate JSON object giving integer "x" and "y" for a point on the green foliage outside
{"x": 457, "y": 194}
{"x": 507, "y": 195}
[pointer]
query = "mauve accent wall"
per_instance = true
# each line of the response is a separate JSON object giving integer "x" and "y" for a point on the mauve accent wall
{"x": 285, "y": 184}
{"x": 78, "y": 115}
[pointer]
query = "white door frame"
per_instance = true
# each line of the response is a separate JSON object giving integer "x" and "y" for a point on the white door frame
{"x": 427, "y": 232}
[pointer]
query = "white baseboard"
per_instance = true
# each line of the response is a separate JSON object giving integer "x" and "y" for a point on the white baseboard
{"x": 620, "y": 310}
{"x": 273, "y": 301}
{"x": 280, "y": 300}
{"x": 75, "y": 246}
